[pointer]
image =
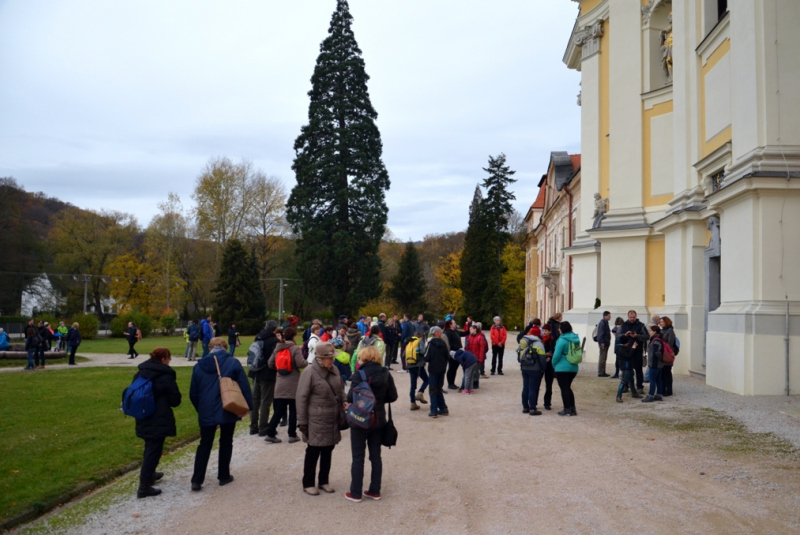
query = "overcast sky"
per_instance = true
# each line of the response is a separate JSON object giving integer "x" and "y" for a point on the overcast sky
{"x": 114, "y": 103}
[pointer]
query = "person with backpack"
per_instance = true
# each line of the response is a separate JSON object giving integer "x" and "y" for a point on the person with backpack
{"x": 287, "y": 360}
{"x": 320, "y": 405}
{"x": 499, "y": 335}
{"x": 372, "y": 339}
{"x": 73, "y": 340}
{"x": 668, "y": 334}
{"x": 617, "y": 322}
{"x": 549, "y": 372}
{"x": 263, "y": 378}
{"x": 204, "y": 392}
{"x": 603, "y": 339}
{"x": 44, "y": 342}
{"x": 307, "y": 332}
{"x": 31, "y": 343}
{"x": 155, "y": 428}
{"x": 415, "y": 364}
{"x": 477, "y": 345}
{"x": 437, "y": 356}
{"x": 310, "y": 345}
{"x": 406, "y": 332}
{"x": 341, "y": 359}
{"x": 655, "y": 362}
{"x": 194, "y": 332}
{"x": 564, "y": 355}
{"x": 624, "y": 349}
{"x": 533, "y": 361}
{"x": 353, "y": 337}
{"x": 633, "y": 328}
{"x": 380, "y": 382}
{"x": 130, "y": 336}
{"x": 206, "y": 333}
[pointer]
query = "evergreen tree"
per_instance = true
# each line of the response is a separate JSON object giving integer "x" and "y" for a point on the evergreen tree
{"x": 473, "y": 258}
{"x": 237, "y": 293}
{"x": 409, "y": 285}
{"x": 338, "y": 207}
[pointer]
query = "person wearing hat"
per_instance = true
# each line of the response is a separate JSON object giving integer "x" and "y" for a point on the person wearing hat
{"x": 341, "y": 358}
{"x": 320, "y": 402}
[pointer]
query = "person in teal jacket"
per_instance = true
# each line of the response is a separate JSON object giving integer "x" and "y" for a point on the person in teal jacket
{"x": 565, "y": 370}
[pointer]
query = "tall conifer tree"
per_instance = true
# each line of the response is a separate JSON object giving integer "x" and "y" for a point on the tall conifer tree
{"x": 409, "y": 285}
{"x": 338, "y": 207}
{"x": 237, "y": 293}
{"x": 473, "y": 258}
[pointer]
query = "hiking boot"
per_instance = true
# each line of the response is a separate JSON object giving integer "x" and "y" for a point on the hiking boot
{"x": 565, "y": 412}
{"x": 223, "y": 482}
{"x": 196, "y": 486}
{"x": 547, "y": 407}
{"x": 615, "y": 376}
{"x": 284, "y": 423}
{"x": 272, "y": 440}
{"x": 311, "y": 491}
{"x": 453, "y": 387}
{"x": 254, "y": 431}
{"x": 500, "y": 373}
{"x": 292, "y": 440}
{"x": 327, "y": 488}
{"x": 375, "y": 497}
{"x": 658, "y": 398}
{"x": 535, "y": 413}
{"x": 414, "y": 407}
{"x": 432, "y": 415}
{"x": 603, "y": 375}
{"x": 648, "y": 399}
{"x": 444, "y": 413}
{"x": 157, "y": 476}
{"x": 573, "y": 412}
{"x": 636, "y": 395}
{"x": 619, "y": 398}
{"x": 492, "y": 372}
{"x": 421, "y": 398}
{"x": 145, "y": 491}
{"x": 525, "y": 411}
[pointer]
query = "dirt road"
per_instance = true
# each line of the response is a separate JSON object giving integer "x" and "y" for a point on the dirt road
{"x": 672, "y": 467}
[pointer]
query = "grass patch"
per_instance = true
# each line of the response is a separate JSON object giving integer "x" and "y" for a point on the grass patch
{"x": 21, "y": 363}
{"x": 710, "y": 426}
{"x": 61, "y": 430}
{"x": 175, "y": 344}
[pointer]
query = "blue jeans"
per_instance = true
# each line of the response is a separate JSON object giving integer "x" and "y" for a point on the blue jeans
{"x": 626, "y": 379}
{"x": 233, "y": 349}
{"x": 414, "y": 373}
{"x": 436, "y": 382}
{"x": 31, "y": 353}
{"x": 188, "y": 345}
{"x": 205, "y": 348}
{"x": 656, "y": 387}
{"x": 531, "y": 380}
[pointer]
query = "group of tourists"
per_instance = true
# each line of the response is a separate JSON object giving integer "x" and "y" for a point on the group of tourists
{"x": 41, "y": 338}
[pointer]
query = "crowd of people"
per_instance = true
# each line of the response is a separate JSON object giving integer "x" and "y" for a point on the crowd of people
{"x": 305, "y": 387}
{"x": 41, "y": 338}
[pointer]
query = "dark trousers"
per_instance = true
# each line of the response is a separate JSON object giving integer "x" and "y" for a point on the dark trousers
{"x": 531, "y": 380}
{"x": 263, "y": 392}
{"x": 31, "y": 354}
{"x": 313, "y": 453}
{"x": 204, "y": 452}
{"x": 452, "y": 372}
{"x": 638, "y": 361}
{"x": 39, "y": 356}
{"x": 666, "y": 380}
{"x": 414, "y": 373}
{"x": 497, "y": 358}
{"x": 403, "y": 354}
{"x": 391, "y": 354}
{"x": 626, "y": 381}
{"x": 655, "y": 382}
{"x": 601, "y": 364}
{"x": 153, "y": 447}
{"x": 436, "y": 382}
{"x": 131, "y": 349}
{"x": 549, "y": 375}
{"x": 564, "y": 383}
{"x": 72, "y": 350}
{"x": 280, "y": 406}
{"x": 360, "y": 441}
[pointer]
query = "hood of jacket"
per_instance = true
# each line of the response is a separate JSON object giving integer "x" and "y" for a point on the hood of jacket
{"x": 283, "y": 345}
{"x": 571, "y": 337}
{"x": 152, "y": 368}
{"x": 207, "y": 363}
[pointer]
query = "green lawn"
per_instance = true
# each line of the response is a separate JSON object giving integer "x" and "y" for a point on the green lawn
{"x": 21, "y": 363}
{"x": 175, "y": 344}
{"x": 62, "y": 429}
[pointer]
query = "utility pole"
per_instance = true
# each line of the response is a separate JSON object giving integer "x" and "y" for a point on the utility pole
{"x": 280, "y": 300}
{"x": 85, "y": 291}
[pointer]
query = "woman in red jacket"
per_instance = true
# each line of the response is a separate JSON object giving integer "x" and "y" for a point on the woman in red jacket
{"x": 476, "y": 344}
{"x": 499, "y": 336}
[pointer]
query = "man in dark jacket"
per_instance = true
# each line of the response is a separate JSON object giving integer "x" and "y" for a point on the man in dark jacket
{"x": 635, "y": 329}
{"x": 131, "y": 336}
{"x": 161, "y": 424}
{"x": 604, "y": 341}
{"x": 437, "y": 355}
{"x": 44, "y": 341}
{"x": 31, "y": 343}
{"x": 406, "y": 332}
{"x": 454, "y": 343}
{"x": 206, "y": 333}
{"x": 194, "y": 337}
{"x": 263, "y": 382}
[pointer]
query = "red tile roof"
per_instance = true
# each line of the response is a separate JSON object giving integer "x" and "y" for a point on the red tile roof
{"x": 576, "y": 161}
{"x": 539, "y": 202}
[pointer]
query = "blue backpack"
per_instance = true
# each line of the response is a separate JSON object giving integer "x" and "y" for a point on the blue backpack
{"x": 360, "y": 411}
{"x": 138, "y": 399}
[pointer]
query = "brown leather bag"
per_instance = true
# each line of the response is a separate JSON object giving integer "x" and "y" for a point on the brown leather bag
{"x": 232, "y": 397}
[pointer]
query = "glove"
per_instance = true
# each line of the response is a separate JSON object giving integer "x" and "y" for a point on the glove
{"x": 303, "y": 429}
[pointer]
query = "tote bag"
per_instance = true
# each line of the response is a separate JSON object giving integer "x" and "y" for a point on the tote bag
{"x": 232, "y": 397}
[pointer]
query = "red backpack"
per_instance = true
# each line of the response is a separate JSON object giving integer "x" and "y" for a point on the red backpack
{"x": 668, "y": 354}
{"x": 283, "y": 361}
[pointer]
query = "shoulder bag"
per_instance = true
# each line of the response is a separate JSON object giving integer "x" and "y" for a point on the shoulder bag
{"x": 341, "y": 419}
{"x": 232, "y": 397}
{"x": 389, "y": 437}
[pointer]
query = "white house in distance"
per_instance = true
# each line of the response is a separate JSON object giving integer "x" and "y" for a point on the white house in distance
{"x": 690, "y": 138}
{"x": 41, "y": 296}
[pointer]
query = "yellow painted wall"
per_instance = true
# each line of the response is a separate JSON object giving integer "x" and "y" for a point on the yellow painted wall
{"x": 588, "y": 5}
{"x": 647, "y": 199}
{"x": 656, "y": 274}
{"x": 605, "y": 99}
{"x": 707, "y": 147}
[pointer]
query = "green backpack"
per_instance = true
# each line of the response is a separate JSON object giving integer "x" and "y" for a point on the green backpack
{"x": 575, "y": 353}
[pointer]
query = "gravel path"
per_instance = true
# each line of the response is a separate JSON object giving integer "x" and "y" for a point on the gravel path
{"x": 668, "y": 467}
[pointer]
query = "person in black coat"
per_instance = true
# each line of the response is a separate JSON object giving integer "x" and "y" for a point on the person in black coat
{"x": 454, "y": 342}
{"x": 73, "y": 341}
{"x": 263, "y": 382}
{"x": 233, "y": 338}
{"x": 44, "y": 342}
{"x": 437, "y": 355}
{"x": 383, "y": 387}
{"x": 131, "y": 333}
{"x": 161, "y": 424}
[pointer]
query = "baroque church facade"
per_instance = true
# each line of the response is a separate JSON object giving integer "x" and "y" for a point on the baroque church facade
{"x": 690, "y": 175}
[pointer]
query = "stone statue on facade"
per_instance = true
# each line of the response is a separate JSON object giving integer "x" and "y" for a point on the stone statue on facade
{"x": 600, "y": 209}
{"x": 666, "y": 49}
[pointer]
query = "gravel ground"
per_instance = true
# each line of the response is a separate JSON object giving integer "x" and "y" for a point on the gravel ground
{"x": 669, "y": 467}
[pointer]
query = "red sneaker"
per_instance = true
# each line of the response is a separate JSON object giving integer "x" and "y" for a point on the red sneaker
{"x": 352, "y": 498}
{"x": 373, "y": 496}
